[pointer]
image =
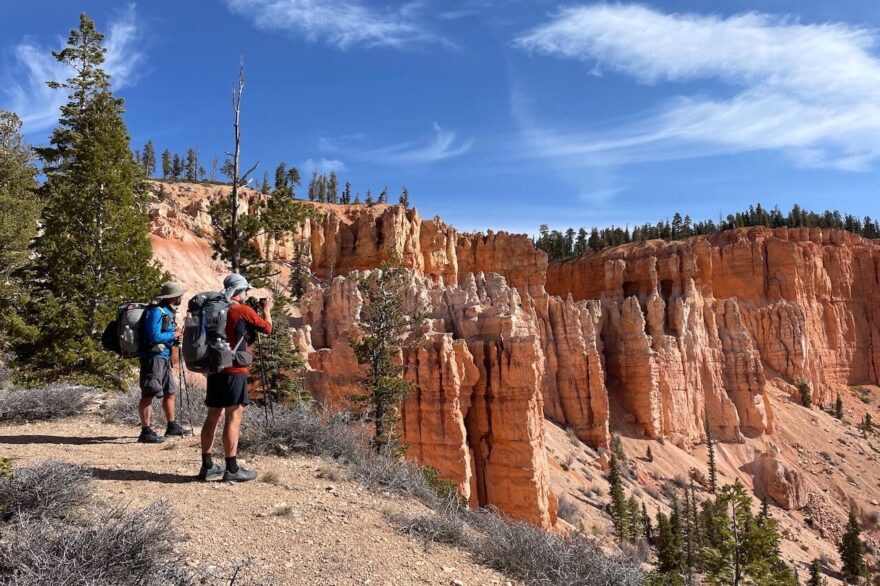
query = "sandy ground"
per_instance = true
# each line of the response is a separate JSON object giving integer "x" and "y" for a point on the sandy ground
{"x": 309, "y": 526}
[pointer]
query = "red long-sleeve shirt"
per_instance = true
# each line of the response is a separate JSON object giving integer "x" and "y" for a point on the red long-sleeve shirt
{"x": 241, "y": 318}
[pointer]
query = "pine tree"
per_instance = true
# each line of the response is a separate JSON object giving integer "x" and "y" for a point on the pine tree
{"x": 816, "y": 574}
{"x": 148, "y": 161}
{"x": 281, "y": 176}
{"x": 806, "y": 395}
{"x": 166, "y": 164}
{"x": 404, "y": 197}
{"x": 710, "y": 447}
{"x": 94, "y": 251}
{"x": 176, "y": 166}
{"x": 647, "y": 529}
{"x": 383, "y": 195}
{"x": 838, "y": 408}
{"x": 357, "y": 199}
{"x": 332, "y": 188}
{"x": 19, "y": 213}
{"x": 649, "y": 457}
{"x": 617, "y": 448}
{"x": 852, "y": 550}
{"x": 191, "y": 165}
{"x": 633, "y": 519}
{"x": 867, "y": 425}
{"x": 299, "y": 270}
{"x": 386, "y": 325}
{"x": 265, "y": 188}
{"x": 293, "y": 180}
{"x": 346, "y": 193}
{"x": 369, "y": 198}
{"x": 618, "y": 500}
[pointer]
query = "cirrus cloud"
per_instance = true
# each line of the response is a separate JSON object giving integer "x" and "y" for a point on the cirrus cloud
{"x": 339, "y": 23}
{"x": 811, "y": 91}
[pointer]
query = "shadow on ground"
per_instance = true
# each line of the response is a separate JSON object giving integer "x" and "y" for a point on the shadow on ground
{"x": 61, "y": 439}
{"x": 141, "y": 475}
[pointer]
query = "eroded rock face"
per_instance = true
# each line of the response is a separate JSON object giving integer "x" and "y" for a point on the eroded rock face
{"x": 660, "y": 337}
{"x": 808, "y": 299}
{"x": 782, "y": 483}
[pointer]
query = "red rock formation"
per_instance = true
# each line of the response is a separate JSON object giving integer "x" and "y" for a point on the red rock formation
{"x": 716, "y": 311}
{"x": 661, "y": 335}
{"x": 782, "y": 483}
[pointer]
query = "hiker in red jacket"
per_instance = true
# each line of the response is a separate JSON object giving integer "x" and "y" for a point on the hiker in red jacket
{"x": 227, "y": 390}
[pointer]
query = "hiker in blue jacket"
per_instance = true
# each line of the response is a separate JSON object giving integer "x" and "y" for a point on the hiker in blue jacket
{"x": 158, "y": 335}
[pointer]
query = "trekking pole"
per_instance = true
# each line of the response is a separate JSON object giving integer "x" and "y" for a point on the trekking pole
{"x": 185, "y": 387}
{"x": 264, "y": 380}
{"x": 272, "y": 348}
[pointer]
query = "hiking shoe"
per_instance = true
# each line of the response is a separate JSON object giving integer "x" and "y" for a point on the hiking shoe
{"x": 174, "y": 429}
{"x": 241, "y": 476}
{"x": 148, "y": 436}
{"x": 211, "y": 474}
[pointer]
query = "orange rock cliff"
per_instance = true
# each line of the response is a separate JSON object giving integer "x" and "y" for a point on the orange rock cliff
{"x": 657, "y": 339}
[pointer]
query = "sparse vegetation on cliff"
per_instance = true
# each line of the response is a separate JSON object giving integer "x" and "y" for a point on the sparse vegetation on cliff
{"x": 563, "y": 245}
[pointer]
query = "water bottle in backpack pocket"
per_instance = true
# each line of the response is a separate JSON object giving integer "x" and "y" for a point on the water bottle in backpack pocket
{"x": 123, "y": 335}
{"x": 205, "y": 347}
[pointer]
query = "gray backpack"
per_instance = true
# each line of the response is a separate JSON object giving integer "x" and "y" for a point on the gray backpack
{"x": 205, "y": 348}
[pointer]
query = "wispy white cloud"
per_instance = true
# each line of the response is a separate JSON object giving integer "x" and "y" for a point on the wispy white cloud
{"x": 443, "y": 144}
{"x": 340, "y": 23}
{"x": 811, "y": 91}
{"x": 323, "y": 165}
{"x": 36, "y": 104}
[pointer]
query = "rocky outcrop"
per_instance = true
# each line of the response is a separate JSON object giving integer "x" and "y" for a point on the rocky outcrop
{"x": 778, "y": 481}
{"x": 806, "y": 305}
{"x": 660, "y": 338}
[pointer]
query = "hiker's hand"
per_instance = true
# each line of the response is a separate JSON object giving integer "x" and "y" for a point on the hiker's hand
{"x": 270, "y": 303}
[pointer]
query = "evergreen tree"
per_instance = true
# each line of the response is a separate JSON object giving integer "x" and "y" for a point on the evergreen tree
{"x": 816, "y": 574}
{"x": 299, "y": 270}
{"x": 852, "y": 550}
{"x": 618, "y": 500}
{"x": 357, "y": 199}
{"x": 293, "y": 180}
{"x": 633, "y": 519}
{"x": 166, "y": 164}
{"x": 346, "y": 193}
{"x": 214, "y": 162}
{"x": 332, "y": 188}
{"x": 281, "y": 176}
{"x": 710, "y": 447}
{"x": 867, "y": 425}
{"x": 148, "y": 161}
{"x": 383, "y": 195}
{"x": 386, "y": 325}
{"x": 265, "y": 188}
{"x": 176, "y": 166}
{"x": 648, "y": 455}
{"x": 19, "y": 213}
{"x": 94, "y": 251}
{"x": 838, "y": 407}
{"x": 806, "y": 395}
{"x": 669, "y": 552}
{"x": 278, "y": 357}
{"x": 404, "y": 197}
{"x": 617, "y": 448}
{"x": 647, "y": 529}
{"x": 369, "y": 198}
{"x": 191, "y": 165}
{"x": 313, "y": 187}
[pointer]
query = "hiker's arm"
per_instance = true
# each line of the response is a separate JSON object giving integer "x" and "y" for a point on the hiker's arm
{"x": 155, "y": 335}
{"x": 260, "y": 324}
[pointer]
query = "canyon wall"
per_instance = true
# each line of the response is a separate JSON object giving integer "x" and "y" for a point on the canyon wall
{"x": 662, "y": 338}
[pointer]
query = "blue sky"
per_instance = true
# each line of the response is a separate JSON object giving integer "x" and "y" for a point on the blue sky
{"x": 501, "y": 114}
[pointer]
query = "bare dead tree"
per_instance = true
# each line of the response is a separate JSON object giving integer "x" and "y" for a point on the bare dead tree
{"x": 237, "y": 180}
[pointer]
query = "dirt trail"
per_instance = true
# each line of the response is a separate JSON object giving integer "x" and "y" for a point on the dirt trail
{"x": 310, "y": 526}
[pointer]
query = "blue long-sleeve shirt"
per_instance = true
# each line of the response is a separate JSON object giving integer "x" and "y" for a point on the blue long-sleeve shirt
{"x": 158, "y": 329}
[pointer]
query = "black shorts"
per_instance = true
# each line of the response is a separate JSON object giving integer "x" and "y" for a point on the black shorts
{"x": 157, "y": 378}
{"x": 226, "y": 390}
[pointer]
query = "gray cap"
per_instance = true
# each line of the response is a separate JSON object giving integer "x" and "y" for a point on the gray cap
{"x": 171, "y": 289}
{"x": 232, "y": 283}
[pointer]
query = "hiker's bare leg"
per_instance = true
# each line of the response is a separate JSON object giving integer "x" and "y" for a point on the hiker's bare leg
{"x": 145, "y": 411}
{"x": 168, "y": 403}
{"x": 210, "y": 428}
{"x": 231, "y": 429}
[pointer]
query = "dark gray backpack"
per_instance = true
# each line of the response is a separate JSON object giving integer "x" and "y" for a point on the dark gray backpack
{"x": 205, "y": 347}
